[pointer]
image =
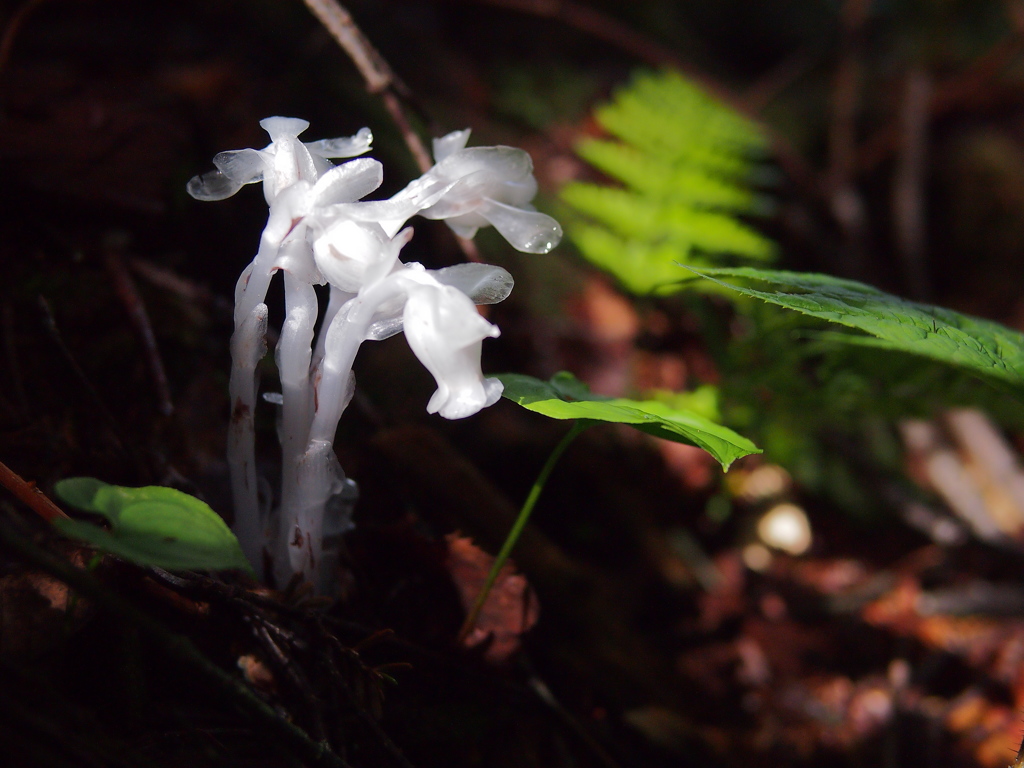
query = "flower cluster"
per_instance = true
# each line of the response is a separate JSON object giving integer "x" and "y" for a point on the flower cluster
{"x": 321, "y": 230}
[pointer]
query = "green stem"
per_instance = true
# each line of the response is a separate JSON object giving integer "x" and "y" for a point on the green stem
{"x": 520, "y": 523}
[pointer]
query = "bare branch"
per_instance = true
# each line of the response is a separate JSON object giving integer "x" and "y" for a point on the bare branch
{"x": 377, "y": 73}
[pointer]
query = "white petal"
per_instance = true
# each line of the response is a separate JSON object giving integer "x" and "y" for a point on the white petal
{"x": 212, "y": 186}
{"x": 462, "y": 196}
{"x": 483, "y": 283}
{"x": 450, "y": 144}
{"x": 348, "y": 182}
{"x": 518, "y": 193}
{"x": 527, "y": 231}
{"x": 242, "y": 165}
{"x": 389, "y": 214}
{"x": 502, "y": 163}
{"x": 385, "y": 265}
{"x": 321, "y": 164}
{"x": 385, "y": 328}
{"x": 279, "y": 127}
{"x": 418, "y": 195}
{"x": 461, "y": 229}
{"x": 346, "y": 146}
{"x": 287, "y": 211}
{"x": 288, "y": 162}
{"x": 296, "y": 257}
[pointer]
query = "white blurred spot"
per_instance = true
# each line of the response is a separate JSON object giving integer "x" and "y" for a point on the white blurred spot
{"x": 785, "y": 527}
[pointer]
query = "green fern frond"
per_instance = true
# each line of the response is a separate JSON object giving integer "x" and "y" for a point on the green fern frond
{"x": 685, "y": 163}
{"x": 690, "y": 182}
{"x": 672, "y": 117}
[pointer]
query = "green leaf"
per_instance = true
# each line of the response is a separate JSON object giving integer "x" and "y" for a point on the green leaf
{"x": 981, "y": 346}
{"x": 152, "y": 525}
{"x": 80, "y": 492}
{"x": 565, "y": 397}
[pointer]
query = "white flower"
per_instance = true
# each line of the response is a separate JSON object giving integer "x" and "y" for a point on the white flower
{"x": 353, "y": 254}
{"x": 446, "y": 334}
{"x": 489, "y": 186}
{"x": 283, "y": 162}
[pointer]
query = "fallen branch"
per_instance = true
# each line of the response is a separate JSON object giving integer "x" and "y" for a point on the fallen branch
{"x": 29, "y": 495}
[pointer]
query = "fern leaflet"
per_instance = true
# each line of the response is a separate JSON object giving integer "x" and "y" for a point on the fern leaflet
{"x": 685, "y": 162}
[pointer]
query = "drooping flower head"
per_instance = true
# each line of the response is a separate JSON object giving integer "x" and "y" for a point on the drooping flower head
{"x": 446, "y": 333}
{"x": 490, "y": 186}
{"x": 280, "y": 164}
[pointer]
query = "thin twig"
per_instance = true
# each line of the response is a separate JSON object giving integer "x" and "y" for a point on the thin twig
{"x": 768, "y": 86}
{"x": 380, "y": 79}
{"x": 198, "y": 586}
{"x": 29, "y": 495}
{"x": 603, "y": 27}
{"x": 952, "y": 94}
{"x": 846, "y": 94}
{"x": 253, "y": 608}
{"x": 908, "y": 183}
{"x": 197, "y": 296}
{"x": 845, "y": 202}
{"x": 377, "y": 73}
{"x": 124, "y": 285}
{"x": 371, "y": 65}
{"x": 545, "y": 694}
{"x": 11, "y": 30}
{"x": 179, "y": 648}
{"x": 292, "y": 671}
{"x": 368, "y": 720}
{"x": 412, "y": 139}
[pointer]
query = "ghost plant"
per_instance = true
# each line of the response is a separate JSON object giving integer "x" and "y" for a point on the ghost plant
{"x": 320, "y": 230}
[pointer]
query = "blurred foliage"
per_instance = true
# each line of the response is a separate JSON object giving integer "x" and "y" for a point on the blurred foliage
{"x": 687, "y": 168}
{"x": 538, "y": 96}
{"x": 825, "y": 409}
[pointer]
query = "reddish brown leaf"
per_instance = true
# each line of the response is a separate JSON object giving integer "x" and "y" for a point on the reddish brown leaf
{"x": 511, "y": 608}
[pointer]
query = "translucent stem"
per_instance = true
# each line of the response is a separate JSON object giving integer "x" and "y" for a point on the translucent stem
{"x": 252, "y": 285}
{"x": 343, "y": 337}
{"x": 318, "y": 475}
{"x": 520, "y": 523}
{"x": 248, "y": 346}
{"x": 337, "y": 299}
{"x": 293, "y": 358}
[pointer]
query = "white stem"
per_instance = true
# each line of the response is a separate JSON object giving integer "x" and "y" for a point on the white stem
{"x": 248, "y": 346}
{"x": 293, "y": 358}
{"x": 343, "y": 337}
{"x": 336, "y": 300}
{"x": 319, "y": 476}
{"x": 302, "y": 524}
{"x": 252, "y": 285}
